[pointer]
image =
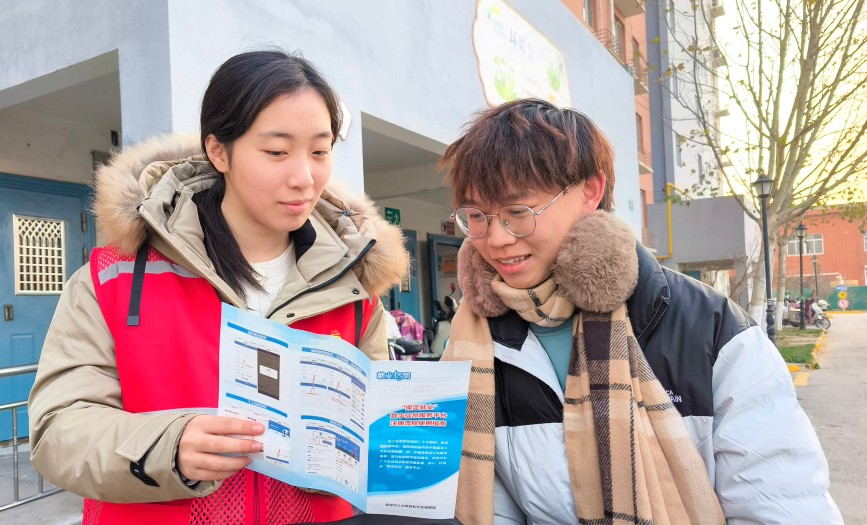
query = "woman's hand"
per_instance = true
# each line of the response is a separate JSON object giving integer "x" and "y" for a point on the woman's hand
{"x": 205, "y": 438}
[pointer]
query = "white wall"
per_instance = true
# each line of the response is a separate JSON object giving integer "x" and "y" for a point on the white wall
{"x": 39, "y": 40}
{"x": 424, "y": 218}
{"x": 40, "y": 146}
{"x": 408, "y": 63}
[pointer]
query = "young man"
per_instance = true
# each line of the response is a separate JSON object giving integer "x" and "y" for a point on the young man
{"x": 606, "y": 388}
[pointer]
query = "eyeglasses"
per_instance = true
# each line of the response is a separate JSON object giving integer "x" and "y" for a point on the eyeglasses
{"x": 517, "y": 219}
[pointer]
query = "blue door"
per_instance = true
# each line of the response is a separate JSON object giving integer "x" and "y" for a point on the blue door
{"x": 45, "y": 236}
{"x": 406, "y": 296}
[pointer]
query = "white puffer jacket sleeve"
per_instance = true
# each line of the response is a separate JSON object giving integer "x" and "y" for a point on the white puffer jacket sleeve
{"x": 769, "y": 465}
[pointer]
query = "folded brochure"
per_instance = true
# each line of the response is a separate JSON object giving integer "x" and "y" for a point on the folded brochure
{"x": 384, "y": 435}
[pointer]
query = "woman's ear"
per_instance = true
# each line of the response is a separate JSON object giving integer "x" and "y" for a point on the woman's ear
{"x": 593, "y": 189}
{"x": 217, "y": 153}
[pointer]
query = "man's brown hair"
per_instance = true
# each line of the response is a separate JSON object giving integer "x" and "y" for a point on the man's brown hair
{"x": 525, "y": 145}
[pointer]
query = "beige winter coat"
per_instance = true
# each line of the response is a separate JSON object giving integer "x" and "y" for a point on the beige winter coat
{"x": 81, "y": 438}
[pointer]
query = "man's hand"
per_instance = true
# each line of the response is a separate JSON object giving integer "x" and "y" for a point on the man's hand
{"x": 205, "y": 438}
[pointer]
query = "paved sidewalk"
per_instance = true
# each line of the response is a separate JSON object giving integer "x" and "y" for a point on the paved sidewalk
{"x": 62, "y": 508}
{"x": 836, "y": 401}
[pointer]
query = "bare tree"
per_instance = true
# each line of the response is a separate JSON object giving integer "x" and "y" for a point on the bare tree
{"x": 794, "y": 76}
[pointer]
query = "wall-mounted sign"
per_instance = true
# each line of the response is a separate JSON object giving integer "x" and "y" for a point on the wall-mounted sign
{"x": 515, "y": 59}
{"x": 447, "y": 227}
{"x": 392, "y": 215}
{"x": 447, "y": 264}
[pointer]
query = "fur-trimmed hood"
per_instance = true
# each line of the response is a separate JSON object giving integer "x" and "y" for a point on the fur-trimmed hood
{"x": 596, "y": 269}
{"x": 157, "y": 174}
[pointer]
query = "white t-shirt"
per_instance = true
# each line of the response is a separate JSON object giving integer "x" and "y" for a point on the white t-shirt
{"x": 271, "y": 276}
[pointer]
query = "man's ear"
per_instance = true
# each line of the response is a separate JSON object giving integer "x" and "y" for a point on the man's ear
{"x": 217, "y": 153}
{"x": 593, "y": 189}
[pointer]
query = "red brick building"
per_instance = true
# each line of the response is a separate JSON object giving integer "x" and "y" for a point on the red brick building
{"x": 840, "y": 247}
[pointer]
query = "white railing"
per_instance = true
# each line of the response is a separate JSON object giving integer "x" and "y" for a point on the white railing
{"x": 16, "y": 479}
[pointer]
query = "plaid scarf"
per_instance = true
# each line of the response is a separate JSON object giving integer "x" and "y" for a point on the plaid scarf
{"x": 631, "y": 459}
{"x": 543, "y": 305}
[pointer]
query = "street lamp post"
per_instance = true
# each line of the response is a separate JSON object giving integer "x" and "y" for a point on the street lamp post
{"x": 763, "y": 186}
{"x": 816, "y": 276}
{"x": 801, "y": 230}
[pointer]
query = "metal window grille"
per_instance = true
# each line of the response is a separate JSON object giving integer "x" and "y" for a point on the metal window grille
{"x": 40, "y": 261}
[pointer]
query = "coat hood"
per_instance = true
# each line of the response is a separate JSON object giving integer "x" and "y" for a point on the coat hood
{"x": 135, "y": 175}
{"x": 596, "y": 269}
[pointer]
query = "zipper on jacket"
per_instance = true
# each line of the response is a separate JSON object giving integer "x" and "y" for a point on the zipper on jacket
{"x": 329, "y": 282}
{"x": 657, "y": 316}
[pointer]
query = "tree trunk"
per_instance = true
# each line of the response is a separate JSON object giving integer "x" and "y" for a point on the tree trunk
{"x": 781, "y": 244}
{"x": 758, "y": 301}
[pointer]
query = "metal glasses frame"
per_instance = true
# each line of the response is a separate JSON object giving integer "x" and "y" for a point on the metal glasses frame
{"x": 504, "y": 224}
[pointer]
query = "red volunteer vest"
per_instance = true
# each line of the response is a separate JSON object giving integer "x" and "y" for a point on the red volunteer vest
{"x": 171, "y": 361}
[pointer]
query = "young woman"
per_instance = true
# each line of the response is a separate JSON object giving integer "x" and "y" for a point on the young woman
{"x": 605, "y": 388}
{"x": 133, "y": 347}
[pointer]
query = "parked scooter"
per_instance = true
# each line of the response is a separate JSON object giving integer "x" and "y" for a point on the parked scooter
{"x": 792, "y": 314}
{"x": 442, "y": 325}
{"x": 404, "y": 349}
{"x": 820, "y": 318}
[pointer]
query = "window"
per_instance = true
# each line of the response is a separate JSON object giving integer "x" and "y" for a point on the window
{"x": 644, "y": 207}
{"x": 590, "y": 13}
{"x": 636, "y": 57}
{"x": 40, "y": 261}
{"x": 813, "y": 245}
{"x": 639, "y": 125}
{"x": 865, "y": 242}
{"x": 700, "y": 169}
{"x": 678, "y": 150}
{"x": 620, "y": 39}
{"x": 671, "y": 14}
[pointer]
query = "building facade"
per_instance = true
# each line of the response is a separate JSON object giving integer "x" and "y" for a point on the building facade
{"x": 620, "y": 27}
{"x": 834, "y": 254}
{"x": 696, "y": 228}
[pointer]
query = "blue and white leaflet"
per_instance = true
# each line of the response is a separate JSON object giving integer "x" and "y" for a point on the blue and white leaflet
{"x": 384, "y": 435}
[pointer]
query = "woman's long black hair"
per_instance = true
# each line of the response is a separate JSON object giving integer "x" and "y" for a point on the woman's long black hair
{"x": 239, "y": 90}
